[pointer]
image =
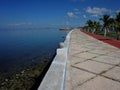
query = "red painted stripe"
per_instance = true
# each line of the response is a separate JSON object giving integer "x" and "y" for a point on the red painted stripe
{"x": 104, "y": 39}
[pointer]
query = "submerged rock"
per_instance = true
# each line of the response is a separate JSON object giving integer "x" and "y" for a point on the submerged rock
{"x": 24, "y": 80}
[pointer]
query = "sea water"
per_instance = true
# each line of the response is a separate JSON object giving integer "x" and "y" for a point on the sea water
{"x": 20, "y": 48}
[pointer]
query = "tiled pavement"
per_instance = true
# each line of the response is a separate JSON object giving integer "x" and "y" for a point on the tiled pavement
{"x": 92, "y": 64}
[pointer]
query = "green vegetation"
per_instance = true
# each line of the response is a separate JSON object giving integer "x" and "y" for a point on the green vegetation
{"x": 110, "y": 27}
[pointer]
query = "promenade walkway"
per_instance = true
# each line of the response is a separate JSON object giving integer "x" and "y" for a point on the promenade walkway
{"x": 92, "y": 64}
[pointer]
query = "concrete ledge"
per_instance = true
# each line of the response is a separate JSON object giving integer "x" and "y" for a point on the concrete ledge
{"x": 56, "y": 75}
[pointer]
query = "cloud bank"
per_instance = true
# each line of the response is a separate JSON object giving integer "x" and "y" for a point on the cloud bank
{"x": 96, "y": 11}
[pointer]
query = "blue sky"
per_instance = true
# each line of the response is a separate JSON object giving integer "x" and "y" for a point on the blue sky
{"x": 17, "y": 13}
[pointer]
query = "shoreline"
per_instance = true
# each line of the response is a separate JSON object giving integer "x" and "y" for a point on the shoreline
{"x": 26, "y": 79}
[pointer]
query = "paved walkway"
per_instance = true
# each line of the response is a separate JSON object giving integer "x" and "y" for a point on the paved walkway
{"x": 92, "y": 64}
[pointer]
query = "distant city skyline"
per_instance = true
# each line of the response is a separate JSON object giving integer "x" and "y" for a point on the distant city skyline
{"x": 53, "y": 13}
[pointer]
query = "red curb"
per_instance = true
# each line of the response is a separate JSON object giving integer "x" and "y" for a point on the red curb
{"x": 104, "y": 39}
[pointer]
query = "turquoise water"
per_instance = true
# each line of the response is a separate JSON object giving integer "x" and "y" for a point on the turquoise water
{"x": 20, "y": 48}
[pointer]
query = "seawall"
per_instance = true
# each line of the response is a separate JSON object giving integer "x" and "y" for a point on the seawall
{"x": 56, "y": 75}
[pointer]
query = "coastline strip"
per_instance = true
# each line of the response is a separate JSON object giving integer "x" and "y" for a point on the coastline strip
{"x": 55, "y": 78}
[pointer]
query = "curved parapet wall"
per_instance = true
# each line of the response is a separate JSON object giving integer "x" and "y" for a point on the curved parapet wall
{"x": 56, "y": 75}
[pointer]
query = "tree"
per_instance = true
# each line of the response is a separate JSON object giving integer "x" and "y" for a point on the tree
{"x": 96, "y": 25}
{"x": 117, "y": 25}
{"x": 106, "y": 23}
{"x": 112, "y": 23}
{"x": 90, "y": 25}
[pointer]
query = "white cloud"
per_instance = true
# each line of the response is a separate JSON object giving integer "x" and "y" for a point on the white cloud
{"x": 118, "y": 11}
{"x": 77, "y": 11}
{"x": 71, "y": 15}
{"x": 96, "y": 11}
{"x": 84, "y": 16}
{"x": 111, "y": 16}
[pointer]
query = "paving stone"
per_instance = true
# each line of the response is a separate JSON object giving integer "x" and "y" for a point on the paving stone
{"x": 78, "y": 76}
{"x": 93, "y": 66}
{"x": 108, "y": 59}
{"x": 113, "y": 73}
{"x": 84, "y": 49}
{"x": 94, "y": 48}
{"x": 114, "y": 54}
{"x": 118, "y": 51}
{"x": 100, "y": 83}
{"x": 92, "y": 44}
{"x": 73, "y": 43}
{"x": 75, "y": 60}
{"x": 80, "y": 49}
{"x": 73, "y": 52}
{"x": 86, "y": 55}
{"x": 75, "y": 46}
{"x": 110, "y": 48}
{"x": 119, "y": 65}
{"x": 97, "y": 51}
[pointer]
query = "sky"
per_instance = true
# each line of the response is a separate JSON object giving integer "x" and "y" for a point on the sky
{"x": 43, "y": 13}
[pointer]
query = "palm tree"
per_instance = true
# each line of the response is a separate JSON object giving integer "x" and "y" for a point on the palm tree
{"x": 117, "y": 25}
{"x": 106, "y": 23}
{"x": 90, "y": 25}
{"x": 112, "y": 23}
{"x": 96, "y": 25}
